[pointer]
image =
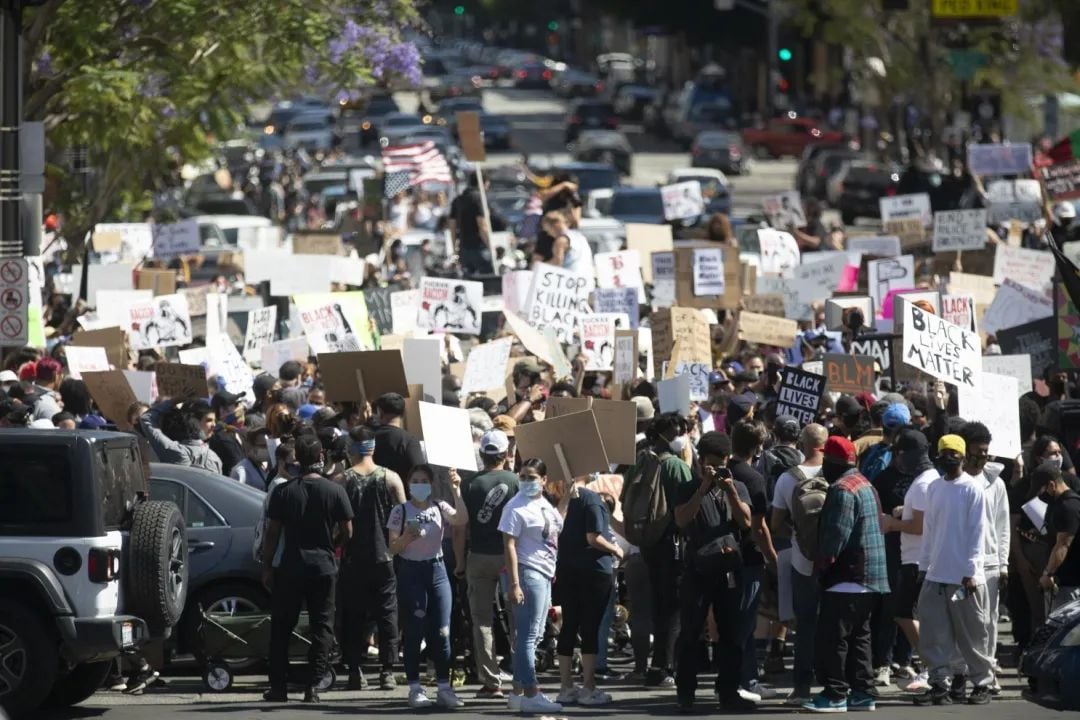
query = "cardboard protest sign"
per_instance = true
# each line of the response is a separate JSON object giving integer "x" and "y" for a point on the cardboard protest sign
{"x": 988, "y": 403}
{"x": 699, "y": 379}
{"x": 380, "y": 308}
{"x": 1017, "y": 367}
{"x": 485, "y": 367}
{"x": 112, "y": 394}
{"x": 708, "y": 265}
{"x": 959, "y": 230}
{"x": 888, "y": 275}
{"x": 113, "y": 339}
{"x": 160, "y": 282}
{"x": 181, "y": 382}
{"x": 470, "y": 135}
{"x": 999, "y": 159}
{"x": 621, "y": 301}
{"x": 1033, "y": 268}
{"x": 85, "y": 359}
{"x": 180, "y": 238}
{"x": 980, "y": 287}
{"x": 878, "y": 347}
{"x": 648, "y": 239}
{"x": 767, "y": 330}
{"x": 136, "y": 239}
{"x": 107, "y": 242}
{"x": 452, "y": 445}
{"x": 1014, "y": 200}
{"x": 911, "y": 232}
{"x": 1014, "y": 305}
{"x": 765, "y": 304}
{"x": 294, "y": 275}
{"x": 626, "y": 357}
{"x": 572, "y": 439}
{"x": 959, "y": 310}
{"x": 683, "y": 200}
{"x": 850, "y": 374}
{"x": 260, "y": 331}
{"x": 450, "y": 305}
{"x": 423, "y": 366}
{"x": 779, "y": 251}
{"x": 877, "y": 245}
{"x": 800, "y": 394}
{"x": 619, "y": 270}
{"x": 1062, "y": 180}
{"x": 163, "y": 322}
{"x": 316, "y": 244}
{"x": 685, "y": 325}
{"x": 338, "y": 321}
{"x": 616, "y": 420}
{"x": 785, "y": 210}
{"x": 663, "y": 278}
{"x": 359, "y": 376}
{"x": 689, "y": 278}
{"x": 1037, "y": 339}
{"x": 538, "y": 344}
{"x": 403, "y": 305}
{"x": 810, "y": 283}
{"x": 196, "y": 299}
{"x": 674, "y": 394}
{"x": 939, "y": 348}
{"x": 906, "y": 207}
{"x": 556, "y": 298}
{"x": 274, "y": 355}
{"x": 598, "y": 340}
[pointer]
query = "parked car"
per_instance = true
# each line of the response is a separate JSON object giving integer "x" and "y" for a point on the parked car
{"x": 637, "y": 205}
{"x": 818, "y": 164}
{"x": 365, "y": 115}
{"x": 221, "y": 515}
{"x": 787, "y": 136}
{"x": 1051, "y": 661}
{"x": 716, "y": 115}
{"x": 497, "y": 132}
{"x": 311, "y": 131}
{"x": 590, "y": 115}
{"x": 715, "y": 188}
{"x": 721, "y": 150}
{"x": 455, "y": 85}
{"x": 631, "y": 100}
{"x": 574, "y": 83}
{"x": 609, "y": 147}
{"x": 865, "y": 183}
{"x": 533, "y": 75}
{"x": 220, "y": 234}
{"x": 398, "y": 122}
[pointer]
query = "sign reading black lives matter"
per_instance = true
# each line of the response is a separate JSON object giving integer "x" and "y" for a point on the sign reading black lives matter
{"x": 939, "y": 348}
{"x": 800, "y": 394}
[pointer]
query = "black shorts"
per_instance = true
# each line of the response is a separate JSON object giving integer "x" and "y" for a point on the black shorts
{"x": 906, "y": 595}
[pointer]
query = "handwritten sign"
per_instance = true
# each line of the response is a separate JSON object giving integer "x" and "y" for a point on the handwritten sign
{"x": 999, "y": 159}
{"x": 1037, "y": 339}
{"x": 1033, "y": 268}
{"x": 598, "y": 340}
{"x": 180, "y": 382}
{"x": 619, "y": 270}
{"x": 625, "y": 357}
{"x": 888, "y": 275}
{"x": 623, "y": 301}
{"x": 708, "y": 271}
{"x": 699, "y": 379}
{"x": 663, "y": 278}
{"x": 556, "y": 298}
{"x": 113, "y": 395}
{"x": 260, "y": 331}
{"x": 959, "y": 230}
{"x": 906, "y": 207}
{"x": 800, "y": 394}
{"x": 316, "y": 244}
{"x": 1062, "y": 181}
{"x": 1017, "y": 367}
{"x": 779, "y": 251}
{"x": 987, "y": 402}
{"x": 176, "y": 239}
{"x": 810, "y": 283}
{"x": 485, "y": 367}
{"x": 1016, "y": 304}
{"x": 1014, "y": 200}
{"x": 85, "y": 359}
{"x": 767, "y": 330}
{"x": 877, "y": 347}
{"x": 876, "y": 245}
{"x": 939, "y": 348}
{"x": 765, "y": 304}
{"x": 959, "y": 310}
{"x": 849, "y": 373}
{"x": 276, "y": 354}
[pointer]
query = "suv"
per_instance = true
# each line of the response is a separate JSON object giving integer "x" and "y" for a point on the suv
{"x": 90, "y": 567}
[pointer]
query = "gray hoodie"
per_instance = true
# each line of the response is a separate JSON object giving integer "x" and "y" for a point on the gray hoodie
{"x": 194, "y": 453}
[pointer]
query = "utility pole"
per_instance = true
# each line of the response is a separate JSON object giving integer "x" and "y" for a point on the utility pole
{"x": 11, "y": 238}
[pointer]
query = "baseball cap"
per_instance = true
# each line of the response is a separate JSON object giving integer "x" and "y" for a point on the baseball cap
{"x": 494, "y": 442}
{"x": 93, "y": 422}
{"x": 306, "y": 412}
{"x": 847, "y": 405}
{"x": 8, "y": 376}
{"x": 952, "y": 442}
{"x": 839, "y": 449}
{"x": 896, "y": 415}
{"x": 866, "y": 399}
{"x": 505, "y": 423}
{"x": 745, "y": 376}
{"x": 718, "y": 378}
{"x": 786, "y": 428}
{"x": 225, "y": 398}
{"x": 911, "y": 441}
{"x": 645, "y": 409}
{"x": 263, "y": 383}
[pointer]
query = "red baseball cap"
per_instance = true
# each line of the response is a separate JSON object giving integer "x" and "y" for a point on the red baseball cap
{"x": 839, "y": 449}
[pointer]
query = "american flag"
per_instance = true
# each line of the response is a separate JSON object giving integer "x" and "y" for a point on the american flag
{"x": 422, "y": 161}
{"x": 395, "y": 182}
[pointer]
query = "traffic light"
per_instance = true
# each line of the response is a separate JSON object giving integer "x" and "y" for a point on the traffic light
{"x": 553, "y": 25}
{"x": 784, "y": 54}
{"x": 459, "y": 10}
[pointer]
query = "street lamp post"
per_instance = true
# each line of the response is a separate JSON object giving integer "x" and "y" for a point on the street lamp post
{"x": 10, "y": 119}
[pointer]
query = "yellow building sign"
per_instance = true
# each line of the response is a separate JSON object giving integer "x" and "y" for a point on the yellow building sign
{"x": 975, "y": 8}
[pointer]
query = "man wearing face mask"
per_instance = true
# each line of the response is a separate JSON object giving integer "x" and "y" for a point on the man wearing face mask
{"x": 1062, "y": 574}
{"x": 953, "y": 606}
{"x": 226, "y": 440}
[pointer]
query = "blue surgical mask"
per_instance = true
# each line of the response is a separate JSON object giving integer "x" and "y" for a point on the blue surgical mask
{"x": 420, "y": 491}
{"x": 531, "y": 488}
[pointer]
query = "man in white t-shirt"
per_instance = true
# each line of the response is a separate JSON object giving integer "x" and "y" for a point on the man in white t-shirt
{"x": 804, "y": 582}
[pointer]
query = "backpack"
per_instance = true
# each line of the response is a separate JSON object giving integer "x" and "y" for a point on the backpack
{"x": 646, "y": 511}
{"x": 876, "y": 459}
{"x": 806, "y": 501}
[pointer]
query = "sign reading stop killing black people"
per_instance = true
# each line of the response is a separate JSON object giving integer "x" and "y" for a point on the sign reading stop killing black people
{"x": 941, "y": 349}
{"x": 800, "y": 394}
{"x": 556, "y": 298}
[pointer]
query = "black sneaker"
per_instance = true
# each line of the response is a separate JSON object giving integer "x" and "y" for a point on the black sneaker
{"x": 935, "y": 695}
{"x": 659, "y": 678}
{"x": 277, "y": 696}
{"x": 386, "y": 680}
{"x": 357, "y": 681}
{"x": 980, "y": 695}
{"x": 140, "y": 680}
{"x": 958, "y": 688}
{"x": 312, "y": 696}
{"x": 736, "y": 704}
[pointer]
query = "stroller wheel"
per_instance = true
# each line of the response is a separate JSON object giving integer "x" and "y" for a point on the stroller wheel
{"x": 327, "y": 680}
{"x": 218, "y": 678}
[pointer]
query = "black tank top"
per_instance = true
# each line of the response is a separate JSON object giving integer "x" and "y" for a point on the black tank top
{"x": 371, "y": 504}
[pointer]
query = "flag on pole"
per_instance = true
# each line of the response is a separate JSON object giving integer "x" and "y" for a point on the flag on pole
{"x": 1066, "y": 304}
{"x": 422, "y": 161}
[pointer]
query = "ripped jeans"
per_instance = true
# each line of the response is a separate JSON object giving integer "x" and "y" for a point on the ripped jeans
{"x": 424, "y": 599}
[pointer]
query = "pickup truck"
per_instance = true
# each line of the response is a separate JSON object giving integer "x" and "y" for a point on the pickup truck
{"x": 786, "y": 136}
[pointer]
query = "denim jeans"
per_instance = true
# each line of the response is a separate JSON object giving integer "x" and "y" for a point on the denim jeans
{"x": 529, "y": 620}
{"x": 424, "y": 593}
{"x": 805, "y": 594}
{"x": 752, "y": 578}
{"x": 605, "y": 631}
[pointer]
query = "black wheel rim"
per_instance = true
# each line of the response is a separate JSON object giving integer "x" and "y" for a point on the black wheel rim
{"x": 13, "y": 660}
{"x": 177, "y": 564}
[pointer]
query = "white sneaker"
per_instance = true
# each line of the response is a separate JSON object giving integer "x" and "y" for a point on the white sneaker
{"x": 594, "y": 697}
{"x": 513, "y": 701}
{"x": 883, "y": 677}
{"x": 419, "y": 699}
{"x": 904, "y": 672}
{"x": 448, "y": 699}
{"x": 763, "y": 691}
{"x": 919, "y": 684}
{"x": 570, "y": 696}
{"x": 539, "y": 703}
{"x": 751, "y": 696}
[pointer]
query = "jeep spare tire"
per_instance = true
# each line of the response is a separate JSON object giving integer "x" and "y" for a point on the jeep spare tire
{"x": 156, "y": 576}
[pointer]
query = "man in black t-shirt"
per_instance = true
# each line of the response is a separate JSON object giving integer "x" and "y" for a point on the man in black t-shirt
{"x": 395, "y": 448}
{"x": 316, "y": 517}
{"x": 469, "y": 229}
{"x": 714, "y": 507}
{"x": 1062, "y": 574}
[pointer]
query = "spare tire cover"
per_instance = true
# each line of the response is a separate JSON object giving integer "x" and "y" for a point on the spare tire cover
{"x": 156, "y": 574}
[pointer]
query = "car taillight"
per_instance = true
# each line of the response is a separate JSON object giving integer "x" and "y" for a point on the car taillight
{"x": 547, "y": 74}
{"x": 599, "y": 87}
{"x": 890, "y": 191}
{"x": 521, "y": 74}
{"x": 493, "y": 73}
{"x": 613, "y": 122}
{"x": 102, "y": 565}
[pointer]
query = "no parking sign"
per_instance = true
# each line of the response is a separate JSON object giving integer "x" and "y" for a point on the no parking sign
{"x": 14, "y": 302}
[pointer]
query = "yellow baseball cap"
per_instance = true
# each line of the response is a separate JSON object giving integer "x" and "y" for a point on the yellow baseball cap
{"x": 952, "y": 442}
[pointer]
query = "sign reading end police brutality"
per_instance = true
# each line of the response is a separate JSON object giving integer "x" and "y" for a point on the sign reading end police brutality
{"x": 800, "y": 394}
{"x": 939, "y": 348}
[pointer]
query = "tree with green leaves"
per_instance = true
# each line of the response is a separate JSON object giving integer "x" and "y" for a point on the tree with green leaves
{"x": 144, "y": 86}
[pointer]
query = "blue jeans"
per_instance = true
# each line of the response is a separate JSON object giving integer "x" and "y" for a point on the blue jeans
{"x": 805, "y": 595}
{"x": 752, "y": 578}
{"x": 424, "y": 594}
{"x": 529, "y": 620}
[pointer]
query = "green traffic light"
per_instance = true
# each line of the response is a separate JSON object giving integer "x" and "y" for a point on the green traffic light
{"x": 553, "y": 26}
{"x": 784, "y": 54}
{"x": 459, "y": 10}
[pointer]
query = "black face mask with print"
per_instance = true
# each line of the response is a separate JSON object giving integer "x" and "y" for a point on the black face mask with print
{"x": 949, "y": 465}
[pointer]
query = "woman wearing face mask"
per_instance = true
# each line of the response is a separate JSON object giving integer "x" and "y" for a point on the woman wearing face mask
{"x": 530, "y": 526}
{"x": 416, "y": 529}
{"x": 1047, "y": 449}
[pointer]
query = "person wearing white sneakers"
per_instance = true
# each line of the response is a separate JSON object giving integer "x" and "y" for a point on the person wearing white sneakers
{"x": 530, "y": 526}
{"x": 416, "y": 530}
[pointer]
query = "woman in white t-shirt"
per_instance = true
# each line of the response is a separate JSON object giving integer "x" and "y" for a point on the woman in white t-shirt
{"x": 416, "y": 530}
{"x": 570, "y": 249}
{"x": 530, "y": 527}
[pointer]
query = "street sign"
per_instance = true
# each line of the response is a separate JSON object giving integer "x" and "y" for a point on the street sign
{"x": 975, "y": 8}
{"x": 14, "y": 302}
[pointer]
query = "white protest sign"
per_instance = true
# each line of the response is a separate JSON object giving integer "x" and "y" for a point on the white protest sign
{"x": 674, "y": 394}
{"x": 1016, "y": 304}
{"x": 195, "y": 356}
{"x": 485, "y": 367}
{"x": 85, "y": 359}
{"x": 663, "y": 275}
{"x": 162, "y": 322}
{"x": 556, "y": 298}
{"x": 811, "y": 282}
{"x": 1014, "y": 200}
{"x": 625, "y": 359}
{"x": 999, "y": 159}
{"x": 229, "y": 366}
{"x": 779, "y": 251}
{"x": 453, "y": 306}
{"x": 423, "y": 365}
{"x": 136, "y": 239}
{"x": 180, "y": 238}
{"x": 515, "y": 290}
{"x": 941, "y": 349}
{"x": 115, "y": 276}
{"x": 328, "y": 330}
{"x": 1014, "y": 366}
{"x": 452, "y": 445}
{"x": 598, "y": 339}
{"x": 785, "y": 210}
{"x": 682, "y": 201}
{"x": 259, "y": 239}
{"x": 403, "y": 306}
{"x": 959, "y": 230}
{"x": 620, "y": 270}
{"x": 144, "y": 384}
{"x": 260, "y": 331}
{"x": 699, "y": 379}
{"x": 618, "y": 300}
{"x": 348, "y": 270}
{"x": 276, "y": 354}
{"x": 889, "y": 274}
{"x": 988, "y": 403}
{"x": 217, "y": 313}
{"x": 884, "y": 246}
{"x": 1033, "y": 268}
{"x": 260, "y": 266}
{"x": 959, "y": 310}
{"x": 299, "y": 274}
{"x": 903, "y": 207}
{"x": 708, "y": 268}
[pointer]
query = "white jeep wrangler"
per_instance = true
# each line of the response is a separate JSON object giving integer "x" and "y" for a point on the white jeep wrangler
{"x": 90, "y": 567}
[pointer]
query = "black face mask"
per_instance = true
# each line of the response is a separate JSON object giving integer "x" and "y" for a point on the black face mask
{"x": 1057, "y": 387}
{"x": 949, "y": 465}
{"x": 910, "y": 463}
{"x": 833, "y": 471}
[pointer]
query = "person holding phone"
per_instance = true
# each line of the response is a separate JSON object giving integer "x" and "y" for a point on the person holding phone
{"x": 416, "y": 529}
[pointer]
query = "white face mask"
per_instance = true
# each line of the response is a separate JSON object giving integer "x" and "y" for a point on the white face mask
{"x": 1055, "y": 461}
{"x": 678, "y": 444}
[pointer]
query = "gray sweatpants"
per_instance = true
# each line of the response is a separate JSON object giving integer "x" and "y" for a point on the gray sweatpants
{"x": 947, "y": 625}
{"x": 993, "y": 610}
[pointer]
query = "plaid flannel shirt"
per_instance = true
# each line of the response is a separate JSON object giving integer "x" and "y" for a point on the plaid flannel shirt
{"x": 851, "y": 546}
